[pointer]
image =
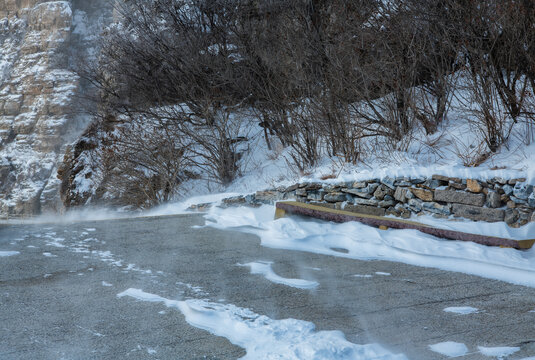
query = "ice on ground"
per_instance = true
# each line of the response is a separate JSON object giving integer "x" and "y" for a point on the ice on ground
{"x": 499, "y": 352}
{"x": 8, "y": 253}
{"x": 383, "y": 273}
{"x": 450, "y": 348}
{"x": 462, "y": 310}
{"x": 104, "y": 283}
{"x": 264, "y": 268}
{"x": 363, "y": 275}
{"x": 265, "y": 338}
{"x": 47, "y": 254}
{"x": 367, "y": 243}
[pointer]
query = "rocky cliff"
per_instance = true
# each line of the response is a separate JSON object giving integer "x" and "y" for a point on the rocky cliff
{"x": 41, "y": 42}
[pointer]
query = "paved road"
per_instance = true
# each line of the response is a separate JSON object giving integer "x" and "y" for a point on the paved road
{"x": 58, "y": 296}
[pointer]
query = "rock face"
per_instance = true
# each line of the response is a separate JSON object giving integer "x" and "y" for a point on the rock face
{"x": 40, "y": 44}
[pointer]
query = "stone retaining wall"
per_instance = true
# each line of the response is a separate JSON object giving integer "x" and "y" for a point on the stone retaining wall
{"x": 497, "y": 199}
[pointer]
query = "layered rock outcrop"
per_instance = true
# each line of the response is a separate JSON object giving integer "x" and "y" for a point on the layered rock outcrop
{"x": 41, "y": 43}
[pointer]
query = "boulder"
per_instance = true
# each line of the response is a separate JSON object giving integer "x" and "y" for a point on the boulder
{"x": 499, "y": 180}
{"x": 507, "y": 190}
{"x": 518, "y": 201}
{"x": 233, "y": 201}
{"x": 473, "y": 186}
{"x": 511, "y": 216}
{"x": 359, "y": 185}
{"x": 457, "y": 186}
{"x": 268, "y": 196}
{"x": 415, "y": 205}
{"x": 403, "y": 181}
{"x": 531, "y": 200}
{"x": 292, "y": 188}
{"x": 313, "y": 186}
{"x": 388, "y": 181}
{"x": 370, "y": 202}
{"x": 335, "y": 197}
{"x": 446, "y": 178}
{"x": 478, "y": 213}
{"x": 383, "y": 191}
{"x": 417, "y": 181}
{"x": 366, "y": 192}
{"x": 315, "y": 195}
{"x": 493, "y": 200}
{"x": 436, "y": 208}
{"x": 460, "y": 197}
{"x": 403, "y": 194}
{"x": 431, "y": 184}
{"x": 522, "y": 191}
{"x": 422, "y": 194}
{"x": 386, "y": 203}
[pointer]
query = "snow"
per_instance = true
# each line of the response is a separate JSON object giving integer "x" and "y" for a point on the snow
{"x": 462, "y": 310}
{"x": 367, "y": 243}
{"x": 107, "y": 284}
{"x": 450, "y": 348}
{"x": 382, "y": 273}
{"x": 8, "y": 253}
{"x": 265, "y": 338}
{"x": 498, "y": 352}
{"x": 264, "y": 268}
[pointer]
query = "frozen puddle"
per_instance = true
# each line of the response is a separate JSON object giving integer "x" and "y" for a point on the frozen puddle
{"x": 265, "y": 338}
{"x": 450, "y": 348}
{"x": 8, "y": 253}
{"x": 264, "y": 268}
{"x": 462, "y": 310}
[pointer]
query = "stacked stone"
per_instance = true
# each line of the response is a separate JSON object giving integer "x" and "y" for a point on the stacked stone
{"x": 512, "y": 201}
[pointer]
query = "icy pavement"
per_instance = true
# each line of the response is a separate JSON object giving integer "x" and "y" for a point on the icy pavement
{"x": 289, "y": 304}
{"x": 358, "y": 241}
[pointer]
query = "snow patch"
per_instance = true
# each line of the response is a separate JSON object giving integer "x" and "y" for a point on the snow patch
{"x": 265, "y": 338}
{"x": 8, "y": 253}
{"x": 462, "y": 310}
{"x": 367, "y": 243}
{"x": 498, "y": 352}
{"x": 382, "y": 273}
{"x": 450, "y": 348}
{"x": 264, "y": 268}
